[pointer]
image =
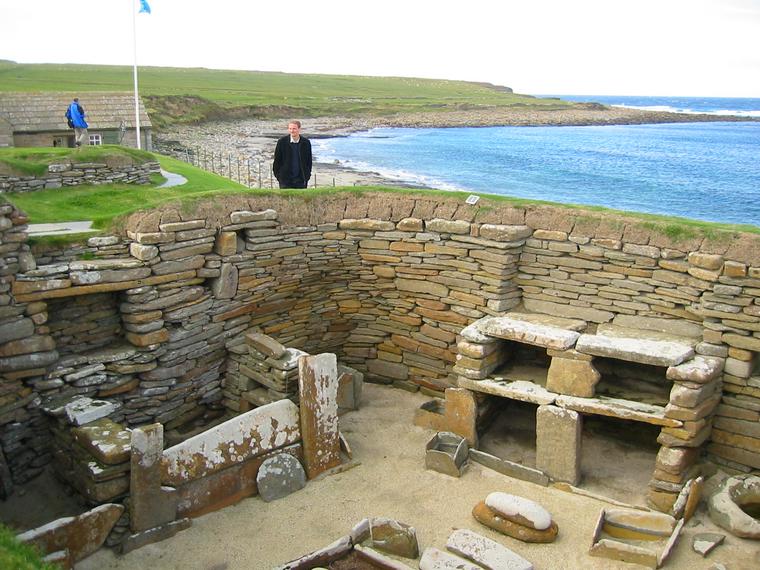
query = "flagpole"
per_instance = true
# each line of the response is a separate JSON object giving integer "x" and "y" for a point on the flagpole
{"x": 137, "y": 99}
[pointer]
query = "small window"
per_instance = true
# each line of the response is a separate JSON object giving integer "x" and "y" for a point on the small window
{"x": 96, "y": 140}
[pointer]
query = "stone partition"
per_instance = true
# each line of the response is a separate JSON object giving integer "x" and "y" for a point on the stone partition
{"x": 385, "y": 281}
{"x": 77, "y": 173}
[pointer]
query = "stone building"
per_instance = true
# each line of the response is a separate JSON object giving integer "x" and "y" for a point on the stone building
{"x": 38, "y": 119}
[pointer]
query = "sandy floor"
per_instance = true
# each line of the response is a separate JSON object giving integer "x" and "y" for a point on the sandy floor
{"x": 391, "y": 481}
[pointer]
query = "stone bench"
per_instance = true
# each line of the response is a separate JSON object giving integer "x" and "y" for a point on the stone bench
{"x": 538, "y": 330}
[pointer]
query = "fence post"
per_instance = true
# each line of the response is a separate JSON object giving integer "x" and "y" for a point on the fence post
{"x": 259, "y": 174}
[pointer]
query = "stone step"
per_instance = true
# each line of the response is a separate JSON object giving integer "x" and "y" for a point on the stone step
{"x": 516, "y": 390}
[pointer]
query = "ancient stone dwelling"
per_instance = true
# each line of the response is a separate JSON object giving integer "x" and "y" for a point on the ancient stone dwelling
{"x": 402, "y": 288}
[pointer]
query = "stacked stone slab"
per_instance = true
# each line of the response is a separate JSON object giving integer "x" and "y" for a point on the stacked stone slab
{"x": 75, "y": 174}
{"x": 260, "y": 371}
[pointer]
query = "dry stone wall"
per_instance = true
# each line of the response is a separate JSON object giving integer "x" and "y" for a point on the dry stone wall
{"x": 74, "y": 174}
{"x": 386, "y": 283}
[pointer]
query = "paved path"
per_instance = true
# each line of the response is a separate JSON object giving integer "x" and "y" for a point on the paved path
{"x": 171, "y": 179}
{"x": 60, "y": 228}
{"x": 83, "y": 227}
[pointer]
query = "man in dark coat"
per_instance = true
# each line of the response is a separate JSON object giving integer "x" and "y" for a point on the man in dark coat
{"x": 292, "y": 158}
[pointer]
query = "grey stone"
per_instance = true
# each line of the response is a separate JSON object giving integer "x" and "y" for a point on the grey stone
{"x": 724, "y": 510}
{"x": 705, "y": 542}
{"x": 434, "y": 559}
{"x": 225, "y": 286}
{"x": 558, "y": 443}
{"x": 85, "y": 410}
{"x": 16, "y": 329}
{"x": 643, "y": 351}
{"x": 485, "y": 552}
{"x": 279, "y": 476}
{"x": 446, "y": 453}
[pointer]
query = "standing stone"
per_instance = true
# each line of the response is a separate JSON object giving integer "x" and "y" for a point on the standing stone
{"x": 572, "y": 377}
{"x": 558, "y": 443}
{"x": 318, "y": 389}
{"x": 151, "y": 505}
{"x": 225, "y": 286}
{"x": 462, "y": 413}
{"x": 279, "y": 476}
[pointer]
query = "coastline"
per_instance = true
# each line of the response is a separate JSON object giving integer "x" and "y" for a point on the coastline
{"x": 255, "y": 139}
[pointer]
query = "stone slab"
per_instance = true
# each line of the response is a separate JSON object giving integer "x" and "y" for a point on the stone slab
{"x": 558, "y": 443}
{"x": 509, "y": 468}
{"x": 394, "y": 537}
{"x": 700, "y": 369}
{"x": 653, "y": 352}
{"x": 153, "y": 535}
{"x": 150, "y": 504}
{"x": 517, "y": 390}
{"x": 107, "y": 441}
{"x": 542, "y": 335}
{"x": 434, "y": 559}
{"x": 318, "y": 397}
{"x": 81, "y": 535}
{"x": 616, "y": 408}
{"x": 84, "y": 410}
{"x": 485, "y": 552}
{"x": 253, "y": 433}
{"x": 490, "y": 518}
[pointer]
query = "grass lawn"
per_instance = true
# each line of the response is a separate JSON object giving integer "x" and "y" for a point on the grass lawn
{"x": 266, "y": 93}
{"x": 17, "y": 556}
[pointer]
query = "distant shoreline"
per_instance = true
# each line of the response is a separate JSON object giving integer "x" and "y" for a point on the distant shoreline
{"x": 255, "y": 139}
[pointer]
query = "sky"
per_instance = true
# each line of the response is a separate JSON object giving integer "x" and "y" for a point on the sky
{"x": 538, "y": 47}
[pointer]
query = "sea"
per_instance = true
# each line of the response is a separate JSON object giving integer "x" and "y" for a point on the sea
{"x": 705, "y": 171}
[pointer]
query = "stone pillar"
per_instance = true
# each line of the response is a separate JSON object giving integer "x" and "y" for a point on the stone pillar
{"x": 318, "y": 387}
{"x": 150, "y": 504}
{"x": 558, "y": 443}
{"x": 462, "y": 414}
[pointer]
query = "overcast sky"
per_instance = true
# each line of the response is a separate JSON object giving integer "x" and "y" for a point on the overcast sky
{"x": 586, "y": 47}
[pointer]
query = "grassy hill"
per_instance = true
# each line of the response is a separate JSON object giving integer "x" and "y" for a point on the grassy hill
{"x": 175, "y": 95}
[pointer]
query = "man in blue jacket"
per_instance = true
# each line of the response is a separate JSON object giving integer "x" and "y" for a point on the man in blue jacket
{"x": 75, "y": 115}
{"x": 292, "y": 158}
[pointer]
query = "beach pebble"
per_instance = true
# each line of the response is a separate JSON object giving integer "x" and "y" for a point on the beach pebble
{"x": 519, "y": 510}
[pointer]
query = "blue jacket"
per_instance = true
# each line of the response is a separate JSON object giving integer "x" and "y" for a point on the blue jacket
{"x": 75, "y": 114}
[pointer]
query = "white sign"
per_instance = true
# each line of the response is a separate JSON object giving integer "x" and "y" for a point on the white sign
{"x": 472, "y": 199}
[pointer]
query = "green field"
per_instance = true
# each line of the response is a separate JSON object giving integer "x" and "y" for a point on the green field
{"x": 195, "y": 94}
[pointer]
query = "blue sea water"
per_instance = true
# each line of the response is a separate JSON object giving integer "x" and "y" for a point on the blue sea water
{"x": 707, "y": 171}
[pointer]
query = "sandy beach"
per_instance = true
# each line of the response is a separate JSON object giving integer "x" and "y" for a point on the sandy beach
{"x": 254, "y": 140}
{"x": 390, "y": 480}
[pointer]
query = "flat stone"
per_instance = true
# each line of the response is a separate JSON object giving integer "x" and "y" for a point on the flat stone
{"x": 421, "y": 286}
{"x": 656, "y": 353}
{"x": 366, "y": 224}
{"x": 153, "y": 535}
{"x": 628, "y": 524}
{"x": 675, "y": 327}
{"x": 616, "y": 550}
{"x": 504, "y": 232}
{"x": 245, "y": 216}
{"x": 569, "y": 311}
{"x": 81, "y": 535}
{"x": 84, "y": 410}
{"x": 529, "y": 333}
{"x": 394, "y": 537}
{"x": 617, "y": 408}
{"x": 485, "y": 552}
{"x": 376, "y": 559}
{"x": 704, "y": 543}
{"x": 107, "y": 441}
{"x": 16, "y": 329}
{"x": 519, "y": 510}
{"x": 518, "y": 390}
{"x": 434, "y": 559}
{"x": 509, "y": 468}
{"x": 700, "y": 369}
{"x": 226, "y": 285}
{"x": 245, "y": 436}
{"x": 265, "y": 344}
{"x": 279, "y": 476}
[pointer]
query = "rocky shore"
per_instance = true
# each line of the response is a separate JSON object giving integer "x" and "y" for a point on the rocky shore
{"x": 254, "y": 140}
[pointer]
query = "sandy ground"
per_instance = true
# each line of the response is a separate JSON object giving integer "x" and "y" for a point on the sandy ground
{"x": 391, "y": 481}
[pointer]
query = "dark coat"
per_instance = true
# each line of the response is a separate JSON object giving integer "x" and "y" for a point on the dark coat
{"x": 282, "y": 154}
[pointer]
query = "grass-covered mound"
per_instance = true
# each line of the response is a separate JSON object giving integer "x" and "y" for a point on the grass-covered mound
{"x": 17, "y": 556}
{"x": 34, "y": 161}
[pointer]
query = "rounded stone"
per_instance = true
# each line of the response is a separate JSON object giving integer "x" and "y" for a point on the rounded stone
{"x": 725, "y": 505}
{"x": 280, "y": 476}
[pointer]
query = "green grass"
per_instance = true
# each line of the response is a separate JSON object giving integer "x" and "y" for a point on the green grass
{"x": 17, "y": 556}
{"x": 34, "y": 161}
{"x": 105, "y": 205}
{"x": 212, "y": 93}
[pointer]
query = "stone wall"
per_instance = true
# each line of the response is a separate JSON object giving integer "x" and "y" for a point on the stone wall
{"x": 74, "y": 174}
{"x": 386, "y": 282}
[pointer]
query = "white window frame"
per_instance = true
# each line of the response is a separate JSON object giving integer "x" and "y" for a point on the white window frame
{"x": 95, "y": 139}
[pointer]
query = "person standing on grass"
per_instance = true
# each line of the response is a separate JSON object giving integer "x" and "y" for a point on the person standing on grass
{"x": 75, "y": 115}
{"x": 292, "y": 158}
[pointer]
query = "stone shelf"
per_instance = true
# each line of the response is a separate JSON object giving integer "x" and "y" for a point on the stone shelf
{"x": 616, "y": 408}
